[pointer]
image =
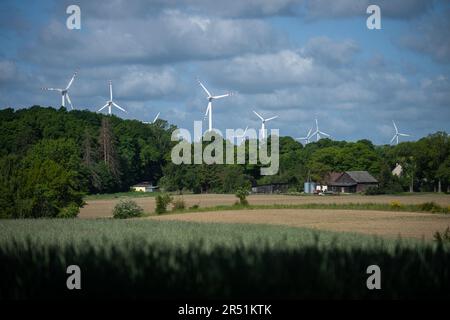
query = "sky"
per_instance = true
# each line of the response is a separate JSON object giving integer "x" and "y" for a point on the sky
{"x": 298, "y": 59}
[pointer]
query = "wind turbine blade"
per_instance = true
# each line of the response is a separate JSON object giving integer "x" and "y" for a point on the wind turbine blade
{"x": 325, "y": 134}
{"x": 309, "y": 133}
{"x": 71, "y": 81}
{"x": 271, "y": 118}
{"x": 70, "y": 102}
{"x": 102, "y": 108}
{"x": 221, "y": 96}
{"x": 204, "y": 88}
{"x": 262, "y": 119}
{"x": 156, "y": 118}
{"x": 52, "y": 89}
{"x": 243, "y": 134}
{"x": 119, "y": 107}
{"x": 396, "y": 130}
{"x": 393, "y": 138}
{"x": 110, "y": 90}
{"x": 404, "y": 135}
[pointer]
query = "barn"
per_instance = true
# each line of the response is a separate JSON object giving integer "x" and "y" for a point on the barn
{"x": 352, "y": 181}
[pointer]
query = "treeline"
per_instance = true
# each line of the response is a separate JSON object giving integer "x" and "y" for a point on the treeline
{"x": 425, "y": 166}
{"x": 50, "y": 158}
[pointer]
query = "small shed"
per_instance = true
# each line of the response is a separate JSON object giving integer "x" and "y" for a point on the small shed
{"x": 144, "y": 186}
{"x": 353, "y": 181}
{"x": 271, "y": 188}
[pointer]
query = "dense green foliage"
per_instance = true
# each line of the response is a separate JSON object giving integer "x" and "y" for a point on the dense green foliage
{"x": 127, "y": 258}
{"x": 162, "y": 201}
{"x": 50, "y": 158}
{"x": 242, "y": 194}
{"x": 127, "y": 209}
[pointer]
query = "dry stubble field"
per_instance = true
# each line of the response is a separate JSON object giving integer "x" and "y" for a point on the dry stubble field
{"x": 383, "y": 223}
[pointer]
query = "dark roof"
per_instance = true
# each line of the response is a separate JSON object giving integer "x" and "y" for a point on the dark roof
{"x": 332, "y": 176}
{"x": 362, "y": 177}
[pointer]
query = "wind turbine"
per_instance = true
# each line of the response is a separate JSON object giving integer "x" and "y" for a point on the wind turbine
{"x": 210, "y": 98}
{"x": 64, "y": 92}
{"x": 263, "y": 124}
{"x": 397, "y": 134}
{"x": 317, "y": 133}
{"x": 241, "y": 136}
{"x": 306, "y": 139}
{"x": 154, "y": 120}
{"x": 110, "y": 102}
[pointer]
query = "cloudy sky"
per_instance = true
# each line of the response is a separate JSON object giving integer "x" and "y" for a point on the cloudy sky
{"x": 299, "y": 59}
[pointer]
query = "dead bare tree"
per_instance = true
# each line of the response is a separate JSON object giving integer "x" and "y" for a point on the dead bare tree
{"x": 107, "y": 144}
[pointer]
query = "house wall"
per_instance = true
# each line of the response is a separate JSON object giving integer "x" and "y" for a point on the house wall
{"x": 139, "y": 189}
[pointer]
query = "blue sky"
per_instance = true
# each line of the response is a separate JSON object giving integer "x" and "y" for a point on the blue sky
{"x": 298, "y": 59}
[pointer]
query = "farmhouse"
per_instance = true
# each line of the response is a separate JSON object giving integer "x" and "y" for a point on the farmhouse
{"x": 144, "y": 186}
{"x": 351, "y": 182}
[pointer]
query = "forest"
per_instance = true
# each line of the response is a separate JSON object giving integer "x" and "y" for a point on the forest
{"x": 50, "y": 158}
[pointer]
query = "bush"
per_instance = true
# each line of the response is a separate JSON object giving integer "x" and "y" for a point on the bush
{"x": 127, "y": 209}
{"x": 430, "y": 207}
{"x": 242, "y": 194}
{"x": 178, "y": 204}
{"x": 373, "y": 191}
{"x": 195, "y": 206}
{"x": 395, "y": 205}
{"x": 162, "y": 201}
{"x": 71, "y": 211}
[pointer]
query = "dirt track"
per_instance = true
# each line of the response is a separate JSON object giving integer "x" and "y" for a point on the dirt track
{"x": 382, "y": 223}
{"x": 103, "y": 208}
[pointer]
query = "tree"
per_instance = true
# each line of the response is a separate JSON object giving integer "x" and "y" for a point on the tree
{"x": 107, "y": 145}
{"x": 443, "y": 173}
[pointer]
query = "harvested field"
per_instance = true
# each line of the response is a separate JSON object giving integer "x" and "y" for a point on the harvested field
{"x": 381, "y": 223}
{"x": 103, "y": 208}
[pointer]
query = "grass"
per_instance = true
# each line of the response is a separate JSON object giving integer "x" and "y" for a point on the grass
{"x": 162, "y": 260}
{"x": 177, "y": 234}
{"x": 328, "y": 206}
{"x": 120, "y": 195}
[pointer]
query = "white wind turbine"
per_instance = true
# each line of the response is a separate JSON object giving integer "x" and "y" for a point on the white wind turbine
{"x": 110, "y": 102}
{"x": 154, "y": 120}
{"x": 317, "y": 133}
{"x": 242, "y": 136}
{"x": 306, "y": 139}
{"x": 210, "y": 98}
{"x": 263, "y": 124}
{"x": 397, "y": 134}
{"x": 64, "y": 92}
